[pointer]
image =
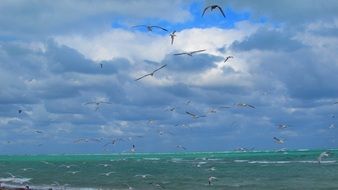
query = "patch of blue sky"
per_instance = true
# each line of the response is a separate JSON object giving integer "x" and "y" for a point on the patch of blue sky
{"x": 210, "y": 19}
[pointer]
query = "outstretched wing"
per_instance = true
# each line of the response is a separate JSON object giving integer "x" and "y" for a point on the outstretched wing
{"x": 159, "y": 28}
{"x": 198, "y": 51}
{"x": 142, "y": 77}
{"x": 205, "y": 9}
{"x": 160, "y": 68}
{"x": 193, "y": 115}
{"x": 220, "y": 9}
{"x": 180, "y": 53}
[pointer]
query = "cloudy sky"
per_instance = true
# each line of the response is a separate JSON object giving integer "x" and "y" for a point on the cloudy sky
{"x": 285, "y": 64}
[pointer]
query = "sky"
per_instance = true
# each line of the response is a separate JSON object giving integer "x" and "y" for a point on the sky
{"x": 285, "y": 64}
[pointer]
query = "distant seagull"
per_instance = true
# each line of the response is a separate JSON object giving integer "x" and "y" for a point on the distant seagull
{"x": 188, "y": 102}
{"x": 332, "y": 126}
{"x": 170, "y": 109}
{"x": 101, "y": 65}
{"x": 245, "y": 105}
{"x": 26, "y": 169}
{"x": 38, "y": 131}
{"x": 105, "y": 165}
{"x": 150, "y": 27}
{"x": 107, "y": 174}
{"x": 152, "y": 73}
{"x": 181, "y": 147}
{"x": 194, "y": 115}
{"x": 47, "y": 163}
{"x": 97, "y": 103}
{"x": 73, "y": 172}
{"x": 323, "y": 155}
{"x": 211, "y": 110}
{"x": 227, "y": 58}
{"x": 212, "y": 7}
{"x": 282, "y": 126}
{"x": 172, "y": 36}
{"x": 114, "y": 141}
{"x": 133, "y": 149}
{"x": 19, "y": 111}
{"x": 67, "y": 166}
{"x": 143, "y": 175}
{"x": 210, "y": 179}
{"x": 190, "y": 53}
{"x": 277, "y": 140}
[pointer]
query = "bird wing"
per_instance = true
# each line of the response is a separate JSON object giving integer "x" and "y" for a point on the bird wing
{"x": 181, "y": 53}
{"x": 205, "y": 9}
{"x": 190, "y": 114}
{"x": 142, "y": 77}
{"x": 220, "y": 9}
{"x": 159, "y": 28}
{"x": 251, "y": 106}
{"x": 160, "y": 68}
{"x": 197, "y": 51}
{"x": 172, "y": 40}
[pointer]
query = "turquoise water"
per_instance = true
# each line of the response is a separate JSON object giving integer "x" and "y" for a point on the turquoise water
{"x": 233, "y": 170}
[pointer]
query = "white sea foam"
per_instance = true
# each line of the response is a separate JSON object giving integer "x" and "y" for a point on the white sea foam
{"x": 15, "y": 180}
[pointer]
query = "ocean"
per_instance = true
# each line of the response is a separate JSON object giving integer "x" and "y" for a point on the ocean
{"x": 261, "y": 170}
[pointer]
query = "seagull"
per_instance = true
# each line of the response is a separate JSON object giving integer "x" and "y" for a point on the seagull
{"x": 211, "y": 110}
{"x": 73, "y": 172}
{"x": 38, "y": 131}
{"x": 282, "y": 126}
{"x": 107, "y": 174}
{"x": 152, "y": 73}
{"x": 194, "y": 116}
{"x": 67, "y": 166}
{"x": 188, "y": 102}
{"x": 26, "y": 169}
{"x": 19, "y": 111}
{"x": 97, "y": 103}
{"x": 172, "y": 36}
{"x": 227, "y": 58}
{"x": 143, "y": 175}
{"x": 133, "y": 149}
{"x": 101, "y": 65}
{"x": 212, "y": 7}
{"x": 181, "y": 147}
{"x": 114, "y": 141}
{"x": 105, "y": 165}
{"x": 245, "y": 105}
{"x": 150, "y": 27}
{"x": 171, "y": 109}
{"x": 323, "y": 155}
{"x": 277, "y": 140}
{"x": 332, "y": 126}
{"x": 210, "y": 179}
{"x": 190, "y": 53}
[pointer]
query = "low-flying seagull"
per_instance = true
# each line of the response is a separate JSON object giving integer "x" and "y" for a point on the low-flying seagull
{"x": 181, "y": 147}
{"x": 107, "y": 174}
{"x": 210, "y": 179}
{"x": 332, "y": 126}
{"x": 190, "y": 53}
{"x": 172, "y": 36}
{"x": 212, "y": 7}
{"x": 152, "y": 73}
{"x": 245, "y": 105}
{"x": 227, "y": 58}
{"x": 150, "y": 27}
{"x": 323, "y": 155}
{"x": 277, "y": 140}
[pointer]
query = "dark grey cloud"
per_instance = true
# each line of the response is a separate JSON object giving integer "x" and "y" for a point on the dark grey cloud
{"x": 268, "y": 40}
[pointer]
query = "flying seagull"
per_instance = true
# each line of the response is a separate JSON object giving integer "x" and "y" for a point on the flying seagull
{"x": 194, "y": 115}
{"x": 152, "y": 73}
{"x": 97, "y": 103}
{"x": 332, "y": 126}
{"x": 19, "y": 111}
{"x": 245, "y": 105}
{"x": 172, "y": 36}
{"x": 181, "y": 147}
{"x": 282, "y": 126}
{"x": 190, "y": 53}
{"x": 212, "y": 7}
{"x": 150, "y": 27}
{"x": 210, "y": 179}
{"x": 323, "y": 155}
{"x": 227, "y": 58}
{"x": 277, "y": 140}
{"x": 107, "y": 174}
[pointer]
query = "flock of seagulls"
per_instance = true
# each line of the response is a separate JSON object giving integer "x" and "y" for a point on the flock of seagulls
{"x": 114, "y": 141}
